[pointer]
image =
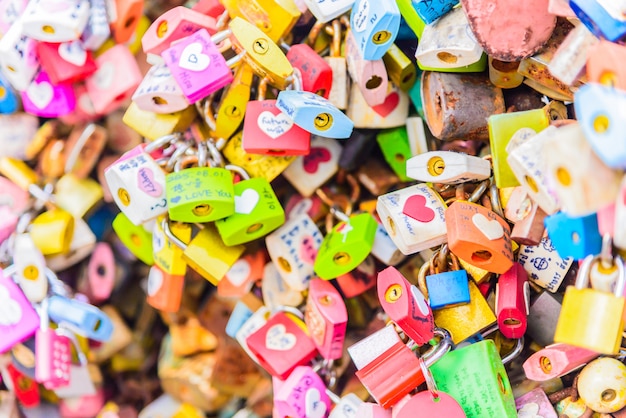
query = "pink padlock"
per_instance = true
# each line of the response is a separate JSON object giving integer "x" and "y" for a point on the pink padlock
{"x": 100, "y": 273}
{"x": 159, "y": 92}
{"x": 8, "y": 222}
{"x": 44, "y": 99}
{"x": 13, "y": 197}
{"x": 65, "y": 62}
{"x": 18, "y": 319}
{"x": 370, "y": 76}
{"x": 116, "y": 79}
{"x": 84, "y": 111}
{"x": 18, "y": 57}
{"x": 372, "y": 410}
{"x": 326, "y": 317}
{"x": 197, "y": 66}
{"x": 302, "y": 395}
{"x": 173, "y": 25}
{"x": 556, "y": 360}
{"x": 85, "y": 406}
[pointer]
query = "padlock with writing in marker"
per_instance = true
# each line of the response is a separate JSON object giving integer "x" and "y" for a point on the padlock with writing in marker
{"x": 173, "y": 25}
{"x": 338, "y": 94}
{"x": 316, "y": 73}
{"x": 603, "y": 64}
{"x": 591, "y": 318}
{"x": 326, "y": 318}
{"x": 137, "y": 184}
{"x": 85, "y": 319}
{"x": 575, "y": 237}
{"x": 257, "y": 213}
{"x": 293, "y": 248}
{"x": 413, "y": 217}
{"x": 273, "y": 345}
{"x": 253, "y": 323}
{"x": 18, "y": 320}
{"x": 65, "y": 62}
{"x": 10, "y": 14}
{"x": 18, "y": 57}
{"x": 136, "y": 238}
{"x": 401, "y": 70}
{"x": 448, "y": 43}
{"x": 97, "y": 30}
{"x": 30, "y": 268}
{"x": 598, "y": 19}
{"x": 47, "y": 22}
{"x": 159, "y": 92}
{"x": 53, "y": 351}
{"x": 569, "y": 60}
{"x": 52, "y": 231}
{"x": 430, "y": 12}
{"x": 231, "y": 109}
{"x": 128, "y": 14}
{"x": 374, "y": 26}
{"x": 370, "y": 76}
{"x": 346, "y": 245}
{"x": 447, "y": 167}
{"x": 544, "y": 265}
{"x": 512, "y": 302}
{"x": 44, "y": 99}
{"x": 276, "y": 19}
{"x": 479, "y": 236}
{"x": 443, "y": 286}
{"x": 309, "y": 172}
{"x": 405, "y": 305}
{"x": 556, "y": 360}
{"x": 302, "y": 395}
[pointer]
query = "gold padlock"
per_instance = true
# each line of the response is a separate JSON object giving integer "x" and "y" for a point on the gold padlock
{"x": 18, "y": 172}
{"x": 153, "y": 125}
{"x": 52, "y": 231}
{"x": 77, "y": 195}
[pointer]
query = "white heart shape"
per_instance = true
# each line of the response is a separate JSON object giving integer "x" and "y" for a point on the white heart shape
{"x": 274, "y": 125}
{"x": 193, "y": 59}
{"x": 73, "y": 52}
{"x": 530, "y": 410}
{"x": 103, "y": 78}
{"x": 155, "y": 281}
{"x": 277, "y": 338}
{"x": 246, "y": 203}
{"x": 239, "y": 272}
{"x": 490, "y": 229}
{"x": 314, "y": 407}
{"x": 40, "y": 94}
{"x": 10, "y": 310}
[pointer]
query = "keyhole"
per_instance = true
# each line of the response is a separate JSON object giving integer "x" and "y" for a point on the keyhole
{"x": 501, "y": 384}
{"x": 260, "y": 46}
{"x": 159, "y": 101}
{"x": 124, "y": 196}
{"x": 342, "y": 258}
{"x": 323, "y": 121}
{"x": 30, "y": 272}
{"x": 284, "y": 264}
{"x": 101, "y": 270}
{"x": 481, "y": 256}
{"x": 134, "y": 238}
{"x": 129, "y": 22}
{"x": 447, "y": 57}
{"x": 512, "y": 322}
{"x": 373, "y": 82}
{"x": 608, "y": 395}
{"x": 563, "y": 176}
{"x": 381, "y": 37}
{"x": 601, "y": 124}
{"x": 393, "y": 293}
{"x": 24, "y": 383}
{"x": 48, "y": 29}
{"x": 545, "y": 364}
{"x": 162, "y": 29}
{"x": 3, "y": 92}
{"x": 608, "y": 78}
{"x": 202, "y": 210}
{"x": 254, "y": 228}
{"x": 97, "y": 325}
{"x": 325, "y": 300}
{"x": 233, "y": 111}
{"x": 531, "y": 184}
{"x": 392, "y": 226}
{"x": 436, "y": 166}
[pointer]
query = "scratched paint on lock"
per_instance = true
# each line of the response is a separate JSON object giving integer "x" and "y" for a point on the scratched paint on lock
{"x": 543, "y": 264}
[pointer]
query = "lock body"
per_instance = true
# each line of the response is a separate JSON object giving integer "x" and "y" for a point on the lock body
{"x": 545, "y": 267}
{"x": 326, "y": 319}
{"x": 309, "y": 172}
{"x": 316, "y": 73}
{"x": 447, "y": 167}
{"x": 447, "y": 289}
{"x": 302, "y": 395}
{"x": 44, "y": 99}
{"x": 375, "y": 26}
{"x": 61, "y": 24}
{"x": 575, "y": 237}
{"x": 512, "y": 302}
{"x": 17, "y": 311}
{"x": 158, "y": 92}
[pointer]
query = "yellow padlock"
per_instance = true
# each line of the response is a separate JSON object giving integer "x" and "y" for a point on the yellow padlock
{"x": 52, "y": 231}
{"x": 232, "y": 106}
{"x": 18, "y": 172}
{"x": 77, "y": 196}
{"x": 275, "y": 18}
{"x": 154, "y": 125}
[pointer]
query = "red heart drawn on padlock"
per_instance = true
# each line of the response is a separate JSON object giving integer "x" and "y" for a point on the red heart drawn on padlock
{"x": 388, "y": 106}
{"x": 415, "y": 207}
{"x": 317, "y": 156}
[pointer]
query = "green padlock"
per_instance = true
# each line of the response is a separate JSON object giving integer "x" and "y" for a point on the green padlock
{"x": 135, "y": 237}
{"x": 257, "y": 213}
{"x": 475, "y": 376}
{"x": 199, "y": 194}
{"x": 394, "y": 143}
{"x": 346, "y": 246}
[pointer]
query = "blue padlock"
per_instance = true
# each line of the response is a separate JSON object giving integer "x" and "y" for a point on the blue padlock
{"x": 598, "y": 20}
{"x": 241, "y": 313}
{"x": 445, "y": 288}
{"x": 314, "y": 114}
{"x": 375, "y": 25}
{"x": 82, "y": 318}
{"x": 8, "y": 99}
{"x": 601, "y": 112}
{"x": 575, "y": 237}
{"x": 430, "y": 10}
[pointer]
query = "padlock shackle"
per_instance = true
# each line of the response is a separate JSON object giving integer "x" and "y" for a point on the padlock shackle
{"x": 439, "y": 350}
{"x": 165, "y": 226}
{"x": 72, "y": 158}
{"x": 161, "y": 142}
{"x": 583, "y": 278}
{"x": 517, "y": 350}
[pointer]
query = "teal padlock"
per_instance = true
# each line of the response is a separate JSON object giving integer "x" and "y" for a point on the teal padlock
{"x": 346, "y": 246}
{"x": 475, "y": 376}
{"x": 257, "y": 213}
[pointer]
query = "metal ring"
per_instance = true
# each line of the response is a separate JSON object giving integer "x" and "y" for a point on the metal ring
{"x": 438, "y": 351}
{"x": 430, "y": 380}
{"x": 161, "y": 142}
{"x": 72, "y": 158}
{"x": 519, "y": 346}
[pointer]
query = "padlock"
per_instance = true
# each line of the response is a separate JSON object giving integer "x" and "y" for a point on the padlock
{"x": 199, "y": 194}
{"x": 601, "y": 22}
{"x": 243, "y": 274}
{"x": 590, "y": 318}
{"x": 603, "y": 64}
{"x": 53, "y": 353}
{"x": 556, "y": 360}
{"x": 544, "y": 265}
{"x": 276, "y": 293}
{"x": 309, "y": 172}
{"x": 535, "y": 402}
{"x": 479, "y": 236}
{"x": 18, "y": 173}
{"x": 8, "y": 97}
{"x": 273, "y": 345}
{"x": 231, "y": 109}
{"x": 316, "y": 72}
{"x": 338, "y": 94}
{"x": 445, "y": 285}
{"x": 372, "y": 410}
{"x": 569, "y": 60}
{"x": 173, "y": 25}
{"x": 136, "y": 238}
{"x": 154, "y": 125}
{"x": 302, "y": 395}
{"x": 600, "y": 385}
{"x": 430, "y": 12}
{"x": 276, "y": 19}
{"x": 575, "y": 237}
{"x": 52, "y": 231}
{"x": 543, "y": 317}
{"x": 405, "y": 305}
{"x": 447, "y": 167}
{"x": 395, "y": 146}
{"x": 327, "y": 12}
{"x": 209, "y": 7}
{"x": 65, "y": 62}
{"x": 137, "y": 184}
{"x": 293, "y": 248}
{"x": 375, "y": 27}
{"x": 450, "y": 99}
{"x": 84, "y": 147}
{"x": 86, "y": 405}
{"x": 11, "y": 13}
{"x": 42, "y": 98}
{"x": 384, "y": 249}
{"x": 245, "y": 324}
{"x": 78, "y": 196}
{"x": 101, "y": 274}
{"x": 159, "y": 92}
{"x": 448, "y": 43}
{"x": 85, "y": 319}
{"x": 26, "y": 389}
{"x": 400, "y": 68}
{"x": 97, "y": 30}
{"x": 128, "y": 14}
{"x": 257, "y": 213}
{"x": 326, "y": 318}
{"x": 413, "y": 217}
{"x": 82, "y": 243}
{"x": 17, "y": 310}
{"x": 346, "y": 245}
{"x": 12, "y": 196}
{"x": 47, "y": 22}
{"x": 359, "y": 280}
{"x": 504, "y": 74}
{"x": 503, "y": 129}
{"x": 18, "y": 57}
{"x": 83, "y": 381}
{"x": 370, "y": 76}
{"x": 513, "y": 302}
{"x": 8, "y": 222}
{"x": 391, "y": 113}
{"x": 29, "y": 268}
{"x": 475, "y": 376}
{"x": 528, "y": 218}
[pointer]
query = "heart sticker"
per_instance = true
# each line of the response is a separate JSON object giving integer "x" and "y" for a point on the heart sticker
{"x": 246, "y": 203}
{"x": 314, "y": 407}
{"x": 103, "y": 78}
{"x": 239, "y": 272}
{"x": 155, "y": 281}
{"x": 415, "y": 208}
{"x": 40, "y": 94}
{"x": 193, "y": 59}
{"x": 277, "y": 338}
{"x": 10, "y": 310}
{"x": 274, "y": 125}
{"x": 316, "y": 156}
{"x": 388, "y": 106}
{"x": 530, "y": 410}
{"x": 147, "y": 183}
{"x": 73, "y": 53}
{"x": 490, "y": 229}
